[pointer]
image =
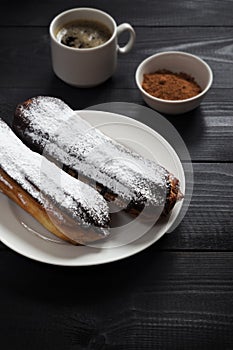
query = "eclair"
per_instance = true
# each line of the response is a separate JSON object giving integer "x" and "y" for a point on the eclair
{"x": 49, "y": 126}
{"x": 67, "y": 207}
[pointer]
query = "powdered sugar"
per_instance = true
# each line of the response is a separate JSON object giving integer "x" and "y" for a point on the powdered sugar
{"x": 6, "y": 183}
{"x": 45, "y": 182}
{"x": 22, "y": 199}
{"x": 69, "y": 139}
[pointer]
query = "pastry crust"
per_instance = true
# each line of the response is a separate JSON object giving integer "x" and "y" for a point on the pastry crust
{"x": 15, "y": 192}
{"x": 71, "y": 210}
{"x": 63, "y": 229}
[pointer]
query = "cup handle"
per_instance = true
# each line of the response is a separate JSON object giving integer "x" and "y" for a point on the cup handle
{"x": 120, "y": 29}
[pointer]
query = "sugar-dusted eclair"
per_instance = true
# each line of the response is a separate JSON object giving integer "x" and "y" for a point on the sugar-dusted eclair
{"x": 70, "y": 209}
{"x": 49, "y": 126}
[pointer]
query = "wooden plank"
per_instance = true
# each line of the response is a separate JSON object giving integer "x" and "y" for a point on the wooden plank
{"x": 208, "y": 222}
{"x": 25, "y": 55}
{"x": 141, "y": 12}
{"x": 154, "y": 300}
{"x": 178, "y": 293}
{"x": 207, "y": 131}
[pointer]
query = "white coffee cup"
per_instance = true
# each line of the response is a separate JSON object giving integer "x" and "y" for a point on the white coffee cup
{"x": 87, "y": 66}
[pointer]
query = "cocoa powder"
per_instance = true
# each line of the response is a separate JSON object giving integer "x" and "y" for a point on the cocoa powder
{"x": 167, "y": 85}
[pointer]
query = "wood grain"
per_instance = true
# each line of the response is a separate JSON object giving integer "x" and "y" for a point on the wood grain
{"x": 209, "y": 220}
{"x": 141, "y": 12}
{"x": 154, "y": 300}
{"x": 32, "y": 54}
{"x": 177, "y": 294}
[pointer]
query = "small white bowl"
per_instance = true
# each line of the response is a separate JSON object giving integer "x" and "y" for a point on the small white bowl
{"x": 175, "y": 61}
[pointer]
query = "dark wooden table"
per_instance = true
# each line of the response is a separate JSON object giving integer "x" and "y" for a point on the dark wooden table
{"x": 177, "y": 294}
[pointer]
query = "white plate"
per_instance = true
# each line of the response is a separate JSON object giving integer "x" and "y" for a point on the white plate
{"x": 133, "y": 134}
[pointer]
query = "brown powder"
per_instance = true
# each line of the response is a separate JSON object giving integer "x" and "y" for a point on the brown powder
{"x": 167, "y": 85}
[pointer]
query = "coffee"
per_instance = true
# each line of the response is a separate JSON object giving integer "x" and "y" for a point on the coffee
{"x": 83, "y": 34}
